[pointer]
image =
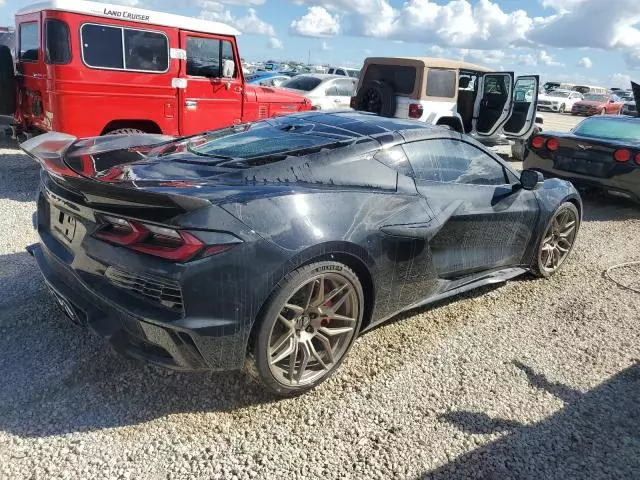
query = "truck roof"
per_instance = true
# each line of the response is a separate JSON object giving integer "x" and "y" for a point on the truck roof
{"x": 132, "y": 14}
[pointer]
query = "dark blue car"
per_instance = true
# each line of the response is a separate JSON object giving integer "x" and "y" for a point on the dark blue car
{"x": 275, "y": 244}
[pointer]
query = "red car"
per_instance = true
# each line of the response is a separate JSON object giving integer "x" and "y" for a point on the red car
{"x": 90, "y": 69}
{"x": 597, "y": 104}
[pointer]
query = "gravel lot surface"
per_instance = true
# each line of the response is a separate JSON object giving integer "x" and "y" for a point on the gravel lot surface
{"x": 531, "y": 379}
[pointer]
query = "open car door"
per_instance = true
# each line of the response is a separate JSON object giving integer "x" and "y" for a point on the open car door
{"x": 525, "y": 104}
{"x": 493, "y": 103}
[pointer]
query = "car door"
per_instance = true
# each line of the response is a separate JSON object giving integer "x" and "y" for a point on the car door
{"x": 213, "y": 95}
{"x": 493, "y": 104}
{"x": 344, "y": 90}
{"x": 525, "y": 104}
{"x": 481, "y": 218}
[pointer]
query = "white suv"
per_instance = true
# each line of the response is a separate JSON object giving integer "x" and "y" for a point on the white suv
{"x": 464, "y": 97}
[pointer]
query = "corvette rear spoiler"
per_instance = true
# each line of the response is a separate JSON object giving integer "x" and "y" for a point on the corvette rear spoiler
{"x": 50, "y": 150}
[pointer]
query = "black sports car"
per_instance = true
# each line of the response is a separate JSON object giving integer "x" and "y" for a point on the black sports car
{"x": 279, "y": 242}
{"x": 601, "y": 152}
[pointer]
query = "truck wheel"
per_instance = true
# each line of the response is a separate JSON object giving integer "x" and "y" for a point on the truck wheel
{"x": 7, "y": 82}
{"x": 377, "y": 97}
{"x": 125, "y": 131}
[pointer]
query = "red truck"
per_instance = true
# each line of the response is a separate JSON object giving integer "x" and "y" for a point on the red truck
{"x": 90, "y": 69}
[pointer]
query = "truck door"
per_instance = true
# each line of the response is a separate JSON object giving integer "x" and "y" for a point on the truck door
{"x": 31, "y": 77}
{"x": 213, "y": 95}
{"x": 525, "y": 105}
{"x": 493, "y": 103}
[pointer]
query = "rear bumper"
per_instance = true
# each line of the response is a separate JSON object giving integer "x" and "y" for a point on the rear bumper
{"x": 626, "y": 185}
{"x": 157, "y": 342}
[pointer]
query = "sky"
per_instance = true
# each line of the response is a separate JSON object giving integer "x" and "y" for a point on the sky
{"x": 581, "y": 41}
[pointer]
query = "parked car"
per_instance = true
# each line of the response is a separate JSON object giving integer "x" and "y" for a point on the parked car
{"x": 601, "y": 152}
{"x": 134, "y": 70}
{"x": 629, "y": 108}
{"x": 597, "y": 104}
{"x": 275, "y": 244}
{"x": 464, "y": 97}
{"x": 558, "y": 100}
{"x": 344, "y": 71}
{"x": 326, "y": 92}
{"x": 267, "y": 79}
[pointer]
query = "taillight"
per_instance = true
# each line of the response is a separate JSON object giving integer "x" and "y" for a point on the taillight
{"x": 622, "y": 155}
{"x": 415, "y": 110}
{"x": 552, "y": 144}
{"x": 638, "y": 158}
{"x": 163, "y": 242}
{"x": 537, "y": 142}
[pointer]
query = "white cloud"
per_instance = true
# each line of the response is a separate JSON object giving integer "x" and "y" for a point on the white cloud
{"x": 619, "y": 80}
{"x": 483, "y": 24}
{"x": 275, "y": 43}
{"x": 317, "y": 22}
{"x": 585, "y": 62}
{"x": 325, "y": 47}
{"x": 540, "y": 57}
{"x": 249, "y": 24}
{"x": 483, "y": 56}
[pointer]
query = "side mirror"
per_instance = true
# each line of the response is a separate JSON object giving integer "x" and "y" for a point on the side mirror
{"x": 531, "y": 179}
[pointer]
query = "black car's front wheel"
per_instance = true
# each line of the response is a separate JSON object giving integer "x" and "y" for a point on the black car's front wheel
{"x": 558, "y": 240}
{"x": 308, "y": 326}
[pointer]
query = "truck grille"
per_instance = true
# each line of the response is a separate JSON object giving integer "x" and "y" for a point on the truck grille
{"x": 159, "y": 290}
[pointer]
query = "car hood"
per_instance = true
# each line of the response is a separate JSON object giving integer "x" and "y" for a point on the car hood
{"x": 275, "y": 95}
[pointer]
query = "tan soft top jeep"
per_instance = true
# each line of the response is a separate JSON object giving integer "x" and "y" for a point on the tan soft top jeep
{"x": 465, "y": 97}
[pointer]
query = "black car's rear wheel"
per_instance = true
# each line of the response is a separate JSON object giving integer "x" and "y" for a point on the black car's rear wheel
{"x": 308, "y": 327}
{"x": 558, "y": 240}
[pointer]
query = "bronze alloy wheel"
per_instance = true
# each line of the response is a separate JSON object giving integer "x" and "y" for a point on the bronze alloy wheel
{"x": 309, "y": 327}
{"x": 558, "y": 239}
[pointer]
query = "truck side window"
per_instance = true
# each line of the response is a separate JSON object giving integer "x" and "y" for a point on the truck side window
{"x": 29, "y": 42}
{"x": 210, "y": 57}
{"x": 120, "y": 48}
{"x": 57, "y": 50}
{"x": 102, "y": 46}
{"x": 145, "y": 51}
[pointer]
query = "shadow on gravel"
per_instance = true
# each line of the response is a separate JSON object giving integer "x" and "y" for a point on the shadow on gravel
{"x": 57, "y": 378}
{"x": 596, "y": 435}
{"x": 599, "y": 207}
{"x": 19, "y": 174}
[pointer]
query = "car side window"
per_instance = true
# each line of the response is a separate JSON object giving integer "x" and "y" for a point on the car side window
{"x": 345, "y": 88}
{"x": 340, "y": 72}
{"x": 453, "y": 161}
{"x": 331, "y": 90}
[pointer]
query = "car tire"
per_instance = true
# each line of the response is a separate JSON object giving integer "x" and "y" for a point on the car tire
{"x": 563, "y": 107}
{"x": 125, "y": 131}
{"x": 7, "y": 82}
{"x": 377, "y": 97}
{"x": 557, "y": 242}
{"x": 309, "y": 331}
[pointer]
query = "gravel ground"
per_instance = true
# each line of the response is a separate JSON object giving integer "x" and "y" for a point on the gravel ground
{"x": 531, "y": 379}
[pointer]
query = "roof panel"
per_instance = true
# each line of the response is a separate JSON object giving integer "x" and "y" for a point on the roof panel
{"x": 131, "y": 14}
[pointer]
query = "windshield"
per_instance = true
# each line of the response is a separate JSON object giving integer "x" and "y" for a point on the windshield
{"x": 306, "y": 84}
{"x": 257, "y": 140}
{"x": 559, "y": 94}
{"x": 609, "y": 129}
{"x": 595, "y": 98}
